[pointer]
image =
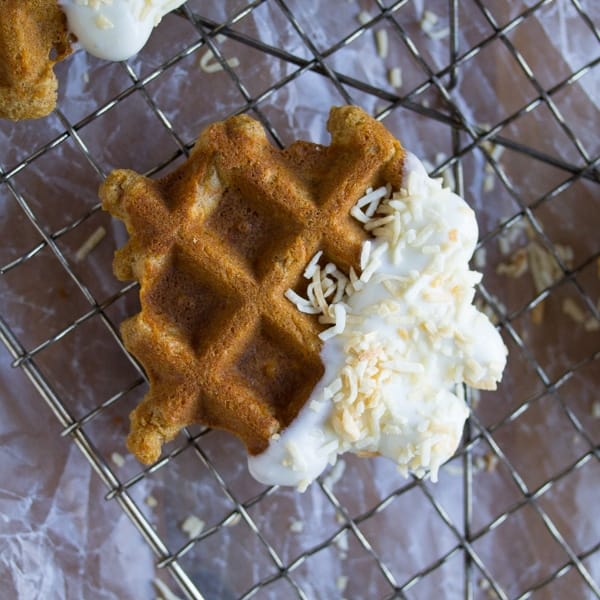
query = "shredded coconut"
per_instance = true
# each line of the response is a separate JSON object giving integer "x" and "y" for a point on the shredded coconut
{"x": 95, "y": 238}
{"x": 297, "y": 526}
{"x": 363, "y": 17}
{"x": 209, "y": 64}
{"x": 233, "y": 520}
{"x": 428, "y": 23}
{"x": 151, "y": 501}
{"x": 395, "y": 77}
{"x": 517, "y": 265}
{"x": 117, "y": 459}
{"x": 591, "y": 324}
{"x": 402, "y": 334}
{"x": 341, "y": 582}
{"x": 438, "y": 34}
{"x": 381, "y": 39}
{"x": 192, "y": 526}
{"x": 103, "y": 23}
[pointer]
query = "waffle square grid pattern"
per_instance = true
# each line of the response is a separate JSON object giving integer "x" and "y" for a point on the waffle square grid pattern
{"x": 206, "y": 254}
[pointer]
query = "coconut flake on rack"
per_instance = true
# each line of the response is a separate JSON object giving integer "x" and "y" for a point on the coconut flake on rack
{"x": 403, "y": 335}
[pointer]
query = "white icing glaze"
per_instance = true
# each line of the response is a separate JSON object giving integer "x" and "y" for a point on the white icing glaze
{"x": 413, "y": 416}
{"x": 115, "y": 29}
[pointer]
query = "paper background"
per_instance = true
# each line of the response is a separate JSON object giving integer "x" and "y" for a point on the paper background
{"x": 62, "y": 539}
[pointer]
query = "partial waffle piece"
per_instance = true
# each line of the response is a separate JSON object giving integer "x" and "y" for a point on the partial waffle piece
{"x": 33, "y": 38}
{"x": 215, "y": 245}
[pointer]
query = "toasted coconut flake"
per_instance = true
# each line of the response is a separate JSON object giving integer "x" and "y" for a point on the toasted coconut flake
{"x": 381, "y": 39}
{"x": 95, "y": 238}
{"x": 395, "y": 77}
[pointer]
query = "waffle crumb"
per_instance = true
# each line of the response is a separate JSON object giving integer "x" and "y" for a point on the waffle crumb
{"x": 490, "y": 461}
{"x": 192, "y": 526}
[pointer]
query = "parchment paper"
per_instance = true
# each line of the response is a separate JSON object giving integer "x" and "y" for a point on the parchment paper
{"x": 61, "y": 539}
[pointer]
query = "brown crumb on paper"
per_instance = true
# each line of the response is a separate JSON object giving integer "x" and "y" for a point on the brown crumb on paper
{"x": 490, "y": 461}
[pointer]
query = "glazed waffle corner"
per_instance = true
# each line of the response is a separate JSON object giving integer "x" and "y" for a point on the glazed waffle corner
{"x": 215, "y": 245}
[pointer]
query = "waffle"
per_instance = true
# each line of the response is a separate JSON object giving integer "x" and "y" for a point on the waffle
{"x": 33, "y": 38}
{"x": 215, "y": 245}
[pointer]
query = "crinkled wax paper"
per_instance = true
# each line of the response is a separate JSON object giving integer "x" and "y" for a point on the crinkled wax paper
{"x": 62, "y": 539}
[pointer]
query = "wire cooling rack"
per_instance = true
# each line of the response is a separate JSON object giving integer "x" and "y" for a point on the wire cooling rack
{"x": 474, "y": 560}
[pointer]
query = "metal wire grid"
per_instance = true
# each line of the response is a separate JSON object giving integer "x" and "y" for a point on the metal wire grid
{"x": 474, "y": 566}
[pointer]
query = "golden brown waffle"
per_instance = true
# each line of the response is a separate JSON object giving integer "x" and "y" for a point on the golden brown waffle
{"x": 215, "y": 245}
{"x": 33, "y": 38}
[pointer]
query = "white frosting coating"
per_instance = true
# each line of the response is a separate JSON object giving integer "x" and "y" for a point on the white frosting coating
{"x": 410, "y": 335}
{"x": 115, "y": 29}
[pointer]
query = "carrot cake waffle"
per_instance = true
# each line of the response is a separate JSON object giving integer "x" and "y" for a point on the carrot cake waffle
{"x": 313, "y": 300}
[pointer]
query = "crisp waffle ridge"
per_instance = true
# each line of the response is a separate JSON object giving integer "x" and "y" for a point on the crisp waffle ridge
{"x": 214, "y": 246}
